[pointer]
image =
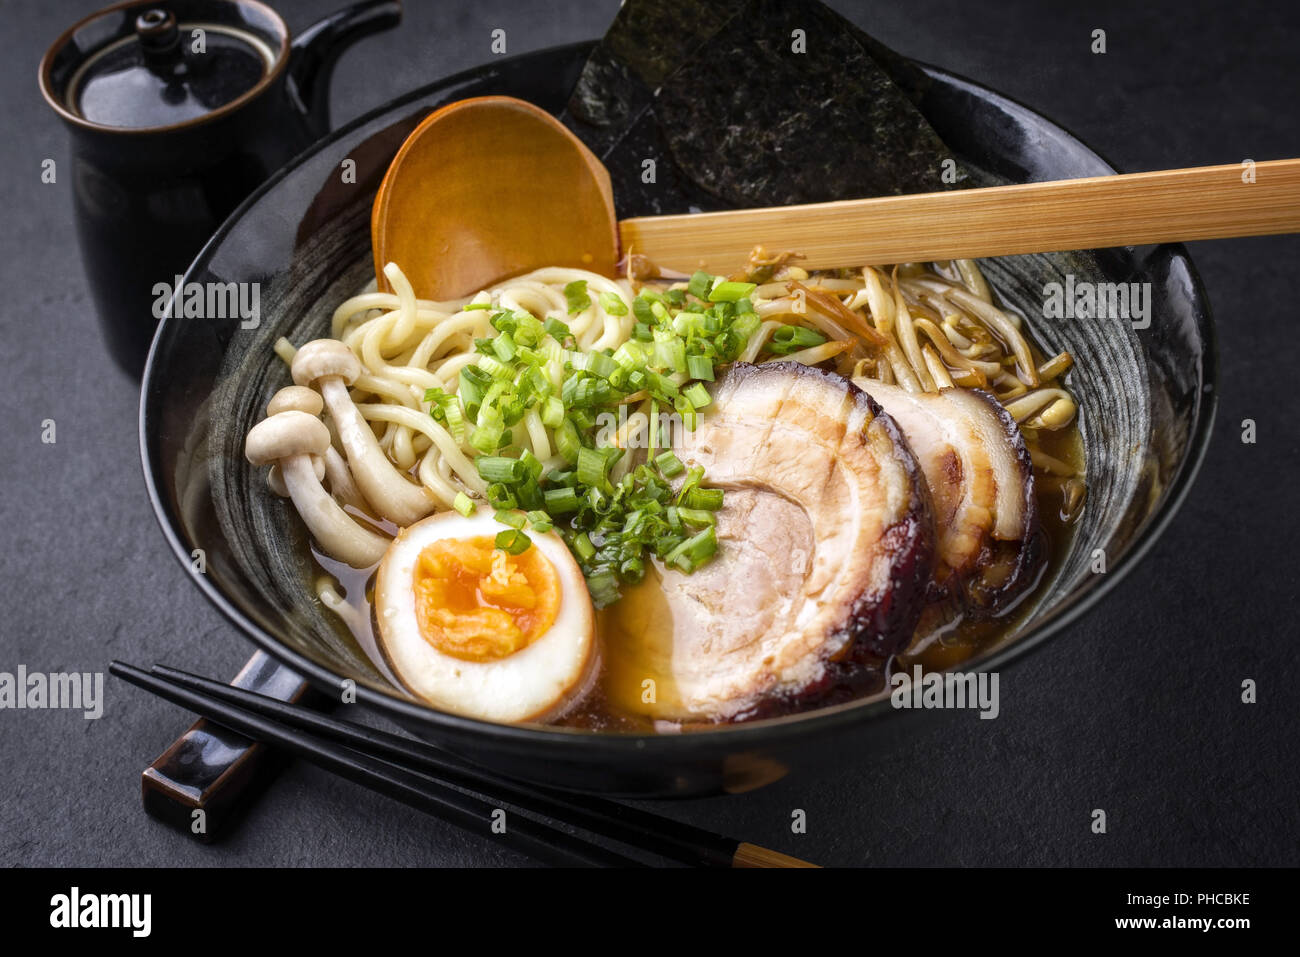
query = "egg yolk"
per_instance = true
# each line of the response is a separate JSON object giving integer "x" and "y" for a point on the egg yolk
{"x": 476, "y": 602}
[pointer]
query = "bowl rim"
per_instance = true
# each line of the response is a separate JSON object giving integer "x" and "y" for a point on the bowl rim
{"x": 767, "y": 732}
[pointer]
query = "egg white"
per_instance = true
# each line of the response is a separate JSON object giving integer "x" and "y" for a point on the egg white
{"x": 536, "y": 683}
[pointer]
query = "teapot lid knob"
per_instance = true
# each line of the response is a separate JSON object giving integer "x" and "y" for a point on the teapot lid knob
{"x": 160, "y": 39}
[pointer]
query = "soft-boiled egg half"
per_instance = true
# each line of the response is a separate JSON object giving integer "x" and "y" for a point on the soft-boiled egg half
{"x": 479, "y": 632}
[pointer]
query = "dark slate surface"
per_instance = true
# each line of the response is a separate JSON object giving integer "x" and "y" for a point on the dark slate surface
{"x": 1135, "y": 710}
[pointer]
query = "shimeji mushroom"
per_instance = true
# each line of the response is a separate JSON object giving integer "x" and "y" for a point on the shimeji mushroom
{"x": 330, "y": 466}
{"x": 302, "y": 400}
{"x": 297, "y": 398}
{"x": 329, "y": 366}
{"x": 291, "y": 439}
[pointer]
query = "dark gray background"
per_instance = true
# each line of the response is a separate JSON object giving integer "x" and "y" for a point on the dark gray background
{"x": 1135, "y": 710}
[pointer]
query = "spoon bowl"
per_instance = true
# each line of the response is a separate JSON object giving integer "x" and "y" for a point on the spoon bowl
{"x": 487, "y": 188}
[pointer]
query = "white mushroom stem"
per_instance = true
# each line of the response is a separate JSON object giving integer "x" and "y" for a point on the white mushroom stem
{"x": 334, "y": 530}
{"x": 394, "y": 496}
{"x": 341, "y": 485}
{"x": 276, "y": 484}
{"x": 330, "y": 367}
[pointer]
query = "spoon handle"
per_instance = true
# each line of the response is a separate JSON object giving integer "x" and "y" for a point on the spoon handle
{"x": 1207, "y": 202}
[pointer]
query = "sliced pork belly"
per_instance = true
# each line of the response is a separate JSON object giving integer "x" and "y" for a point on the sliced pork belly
{"x": 988, "y": 540}
{"x": 826, "y": 544}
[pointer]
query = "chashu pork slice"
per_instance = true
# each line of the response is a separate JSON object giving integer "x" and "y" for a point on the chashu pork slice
{"x": 988, "y": 546}
{"x": 825, "y": 548}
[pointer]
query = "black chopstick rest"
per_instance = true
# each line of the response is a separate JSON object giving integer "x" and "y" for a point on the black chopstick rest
{"x": 204, "y": 781}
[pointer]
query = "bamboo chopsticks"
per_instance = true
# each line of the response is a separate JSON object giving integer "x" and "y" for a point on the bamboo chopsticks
{"x": 1208, "y": 202}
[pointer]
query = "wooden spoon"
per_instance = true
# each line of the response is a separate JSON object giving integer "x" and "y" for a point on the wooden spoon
{"x": 491, "y": 187}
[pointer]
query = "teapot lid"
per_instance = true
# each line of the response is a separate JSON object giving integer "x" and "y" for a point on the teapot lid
{"x": 155, "y": 65}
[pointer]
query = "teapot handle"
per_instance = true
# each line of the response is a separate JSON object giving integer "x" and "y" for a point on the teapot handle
{"x": 314, "y": 52}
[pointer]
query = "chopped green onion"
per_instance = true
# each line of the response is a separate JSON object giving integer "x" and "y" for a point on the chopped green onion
{"x": 522, "y": 378}
{"x": 512, "y": 518}
{"x": 686, "y": 323}
{"x": 532, "y": 464}
{"x": 686, "y": 410}
{"x": 585, "y": 392}
{"x": 661, "y": 384}
{"x": 495, "y": 369}
{"x": 464, "y": 504}
{"x": 529, "y": 495}
{"x": 593, "y": 467}
{"x": 575, "y": 295}
{"x": 699, "y": 367}
{"x": 788, "y": 339}
{"x": 454, "y": 416}
{"x": 670, "y": 465}
{"x": 745, "y": 325}
{"x": 674, "y": 522}
{"x": 473, "y": 385}
{"x": 696, "y": 516}
{"x": 557, "y": 329}
{"x": 691, "y": 553}
{"x": 601, "y": 365}
{"x": 494, "y": 468}
{"x": 552, "y": 411}
{"x": 504, "y": 347}
{"x": 603, "y": 587}
{"x": 698, "y": 395}
{"x": 612, "y": 304}
{"x": 731, "y": 291}
{"x": 513, "y": 541}
{"x": 632, "y": 570}
{"x": 567, "y": 442}
{"x": 693, "y": 479}
{"x": 488, "y": 437}
{"x": 700, "y": 284}
{"x": 447, "y": 409}
{"x": 705, "y": 498}
{"x": 670, "y": 351}
{"x": 583, "y": 546}
{"x": 499, "y": 496}
{"x": 561, "y": 501}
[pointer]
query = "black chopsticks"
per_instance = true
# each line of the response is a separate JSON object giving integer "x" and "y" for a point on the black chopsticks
{"x": 434, "y": 782}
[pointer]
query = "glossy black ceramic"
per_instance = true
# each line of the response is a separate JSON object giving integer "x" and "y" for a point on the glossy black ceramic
{"x": 147, "y": 197}
{"x": 1147, "y": 395}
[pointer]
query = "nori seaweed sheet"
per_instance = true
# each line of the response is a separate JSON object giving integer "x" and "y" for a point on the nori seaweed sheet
{"x": 714, "y": 92}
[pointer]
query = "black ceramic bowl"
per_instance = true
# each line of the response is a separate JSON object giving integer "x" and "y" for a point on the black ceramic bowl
{"x": 1147, "y": 398}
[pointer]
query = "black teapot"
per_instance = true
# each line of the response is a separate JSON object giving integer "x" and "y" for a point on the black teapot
{"x": 178, "y": 110}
